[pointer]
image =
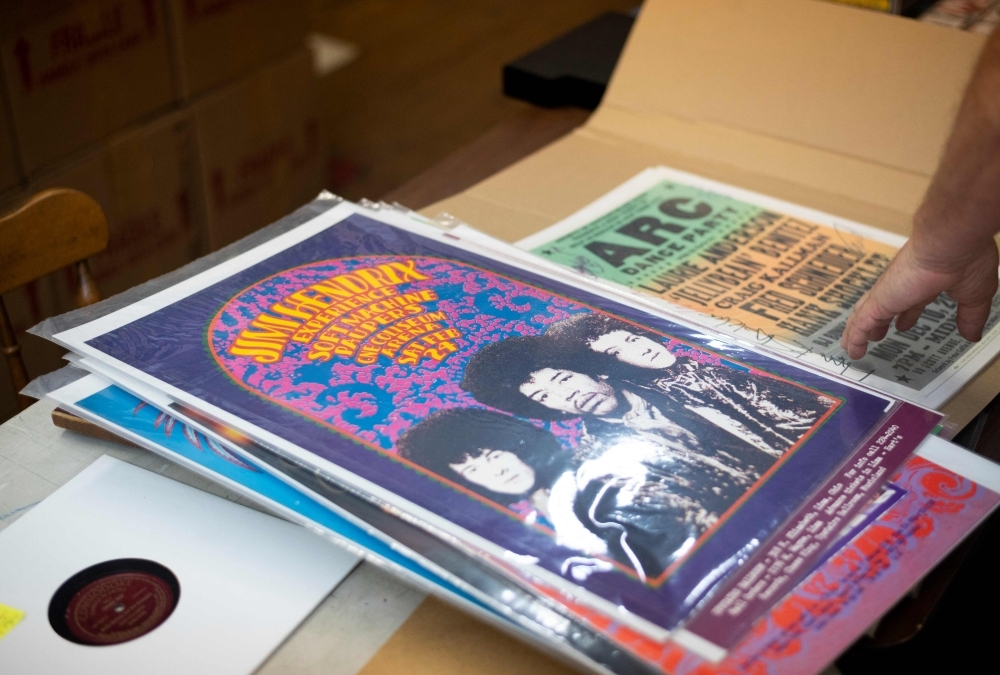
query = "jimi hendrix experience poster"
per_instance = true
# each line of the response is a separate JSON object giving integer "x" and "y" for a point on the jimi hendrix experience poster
{"x": 627, "y": 459}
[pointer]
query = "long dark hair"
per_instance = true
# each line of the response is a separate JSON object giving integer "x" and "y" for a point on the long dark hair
{"x": 453, "y": 435}
{"x": 495, "y": 373}
{"x": 588, "y": 326}
{"x": 574, "y": 335}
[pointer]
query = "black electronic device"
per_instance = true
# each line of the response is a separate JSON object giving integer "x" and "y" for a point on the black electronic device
{"x": 572, "y": 70}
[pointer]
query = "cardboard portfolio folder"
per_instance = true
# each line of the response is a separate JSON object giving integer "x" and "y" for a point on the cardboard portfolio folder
{"x": 824, "y": 105}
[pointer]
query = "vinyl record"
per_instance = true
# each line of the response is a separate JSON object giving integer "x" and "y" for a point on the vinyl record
{"x": 114, "y": 602}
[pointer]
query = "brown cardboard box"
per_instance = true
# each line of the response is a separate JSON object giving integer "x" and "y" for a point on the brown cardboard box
{"x": 78, "y": 71}
{"x": 258, "y": 142}
{"x": 812, "y": 102}
{"x": 215, "y": 41}
{"x": 147, "y": 181}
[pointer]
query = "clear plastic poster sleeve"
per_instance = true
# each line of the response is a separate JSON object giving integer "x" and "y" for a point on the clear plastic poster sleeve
{"x": 630, "y": 461}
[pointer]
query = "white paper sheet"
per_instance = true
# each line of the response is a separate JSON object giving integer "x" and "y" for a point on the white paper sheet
{"x": 246, "y": 579}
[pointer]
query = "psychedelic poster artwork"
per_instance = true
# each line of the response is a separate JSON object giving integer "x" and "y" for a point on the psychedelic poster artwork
{"x": 623, "y": 456}
{"x": 375, "y": 347}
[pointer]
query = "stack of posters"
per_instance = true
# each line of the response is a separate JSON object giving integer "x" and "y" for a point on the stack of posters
{"x": 597, "y": 470}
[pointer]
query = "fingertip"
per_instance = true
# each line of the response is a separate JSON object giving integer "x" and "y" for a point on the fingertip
{"x": 857, "y": 350}
{"x": 848, "y": 339}
{"x": 971, "y": 334}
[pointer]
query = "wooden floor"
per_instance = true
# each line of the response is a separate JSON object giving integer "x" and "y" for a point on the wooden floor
{"x": 428, "y": 79}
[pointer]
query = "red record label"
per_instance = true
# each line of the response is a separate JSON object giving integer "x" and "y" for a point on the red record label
{"x": 114, "y": 602}
{"x": 118, "y": 608}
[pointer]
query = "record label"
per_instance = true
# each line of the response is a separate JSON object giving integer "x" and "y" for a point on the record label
{"x": 114, "y": 602}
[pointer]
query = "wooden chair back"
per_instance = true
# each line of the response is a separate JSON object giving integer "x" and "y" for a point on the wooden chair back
{"x": 54, "y": 229}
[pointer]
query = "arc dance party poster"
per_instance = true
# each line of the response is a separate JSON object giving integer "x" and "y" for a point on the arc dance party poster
{"x": 760, "y": 269}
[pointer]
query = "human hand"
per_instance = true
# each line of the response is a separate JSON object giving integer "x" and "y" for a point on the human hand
{"x": 952, "y": 248}
{"x": 915, "y": 277}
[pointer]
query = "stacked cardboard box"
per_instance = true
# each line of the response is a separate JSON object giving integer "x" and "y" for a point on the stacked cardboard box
{"x": 192, "y": 123}
{"x": 79, "y": 71}
{"x": 259, "y": 146}
{"x": 214, "y": 41}
{"x": 146, "y": 181}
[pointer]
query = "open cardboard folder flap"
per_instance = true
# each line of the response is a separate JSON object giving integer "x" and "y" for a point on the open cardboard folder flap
{"x": 828, "y": 106}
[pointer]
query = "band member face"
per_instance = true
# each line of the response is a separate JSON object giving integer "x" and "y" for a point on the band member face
{"x": 635, "y": 350}
{"x": 497, "y": 470}
{"x": 570, "y": 392}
